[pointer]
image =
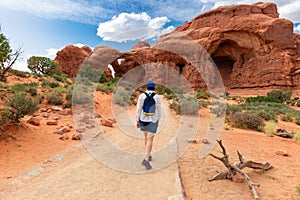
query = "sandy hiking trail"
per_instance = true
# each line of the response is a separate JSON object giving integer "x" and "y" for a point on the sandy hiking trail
{"x": 77, "y": 174}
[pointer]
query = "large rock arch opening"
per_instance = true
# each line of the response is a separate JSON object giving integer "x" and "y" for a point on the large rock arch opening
{"x": 228, "y": 56}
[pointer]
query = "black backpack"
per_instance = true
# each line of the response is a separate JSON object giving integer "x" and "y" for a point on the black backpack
{"x": 149, "y": 104}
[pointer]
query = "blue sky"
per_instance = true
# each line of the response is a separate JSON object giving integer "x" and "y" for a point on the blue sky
{"x": 42, "y": 27}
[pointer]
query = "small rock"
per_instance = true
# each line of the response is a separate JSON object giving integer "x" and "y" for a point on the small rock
{"x": 59, "y": 132}
{"x": 46, "y": 115}
{"x": 64, "y": 137}
{"x": 76, "y": 137}
{"x": 56, "y": 118}
{"x": 205, "y": 141}
{"x": 190, "y": 125}
{"x": 56, "y": 108}
{"x": 44, "y": 110}
{"x": 64, "y": 112}
{"x": 85, "y": 118}
{"x": 89, "y": 126}
{"x": 192, "y": 141}
{"x": 70, "y": 126}
{"x": 238, "y": 178}
{"x": 107, "y": 122}
{"x": 36, "y": 121}
{"x": 113, "y": 120}
{"x": 282, "y": 153}
{"x": 80, "y": 130}
{"x": 52, "y": 122}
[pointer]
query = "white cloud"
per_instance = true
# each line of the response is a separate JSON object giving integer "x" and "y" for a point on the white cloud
{"x": 21, "y": 65}
{"x": 74, "y": 10}
{"x": 297, "y": 29}
{"x": 132, "y": 26}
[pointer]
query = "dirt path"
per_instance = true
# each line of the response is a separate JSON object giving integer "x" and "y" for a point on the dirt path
{"x": 76, "y": 174}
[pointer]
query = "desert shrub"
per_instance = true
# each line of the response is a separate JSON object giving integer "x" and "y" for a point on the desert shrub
{"x": 218, "y": 108}
{"x": 247, "y": 120}
{"x": 105, "y": 88}
{"x": 286, "y": 118}
{"x": 20, "y": 73}
{"x": 55, "y": 98}
{"x": 266, "y": 116}
{"x": 21, "y": 105}
{"x": 59, "y": 77}
{"x": 262, "y": 99}
{"x": 298, "y": 103}
{"x": 171, "y": 96}
{"x": 88, "y": 73}
{"x": 203, "y": 103}
{"x": 68, "y": 104}
{"x": 189, "y": 106}
{"x": 47, "y": 84}
{"x": 4, "y": 85}
{"x": 162, "y": 90}
{"x": 18, "y": 87}
{"x": 175, "y": 106}
{"x": 32, "y": 91}
{"x": 201, "y": 94}
{"x": 297, "y": 136}
{"x": 270, "y": 127}
{"x": 127, "y": 85}
{"x": 298, "y": 189}
{"x": 122, "y": 98}
{"x": 231, "y": 109}
{"x": 82, "y": 94}
{"x": 298, "y": 120}
{"x": 281, "y": 95}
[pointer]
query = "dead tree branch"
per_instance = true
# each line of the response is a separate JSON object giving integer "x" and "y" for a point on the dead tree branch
{"x": 238, "y": 168}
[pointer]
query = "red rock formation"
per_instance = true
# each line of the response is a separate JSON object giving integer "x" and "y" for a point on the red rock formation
{"x": 250, "y": 45}
{"x": 141, "y": 44}
{"x": 70, "y": 58}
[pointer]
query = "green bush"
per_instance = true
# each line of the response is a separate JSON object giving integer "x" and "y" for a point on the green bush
{"x": 298, "y": 103}
{"x": 55, "y": 98}
{"x": 298, "y": 120}
{"x": 189, "y": 106}
{"x": 281, "y": 95}
{"x": 266, "y": 116}
{"x": 262, "y": 99}
{"x": 203, "y": 103}
{"x": 59, "y": 77}
{"x": 19, "y": 73}
{"x": 231, "y": 109}
{"x": 286, "y": 118}
{"x": 32, "y": 91}
{"x": 247, "y": 120}
{"x": 81, "y": 94}
{"x": 21, "y": 105}
{"x": 200, "y": 94}
{"x": 298, "y": 189}
{"x": 270, "y": 127}
{"x": 47, "y": 84}
{"x": 105, "y": 88}
{"x": 122, "y": 98}
{"x": 89, "y": 74}
{"x": 18, "y": 88}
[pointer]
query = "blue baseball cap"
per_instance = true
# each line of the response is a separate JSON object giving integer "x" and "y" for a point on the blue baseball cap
{"x": 150, "y": 85}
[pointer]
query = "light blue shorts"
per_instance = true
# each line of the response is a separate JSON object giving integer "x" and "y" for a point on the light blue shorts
{"x": 148, "y": 126}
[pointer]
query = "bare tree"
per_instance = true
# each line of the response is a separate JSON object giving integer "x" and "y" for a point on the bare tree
{"x": 7, "y": 57}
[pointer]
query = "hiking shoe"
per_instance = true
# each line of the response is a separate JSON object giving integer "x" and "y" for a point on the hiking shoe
{"x": 146, "y": 164}
{"x": 150, "y": 158}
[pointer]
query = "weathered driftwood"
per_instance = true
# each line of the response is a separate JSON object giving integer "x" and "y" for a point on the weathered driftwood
{"x": 281, "y": 132}
{"x": 238, "y": 168}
